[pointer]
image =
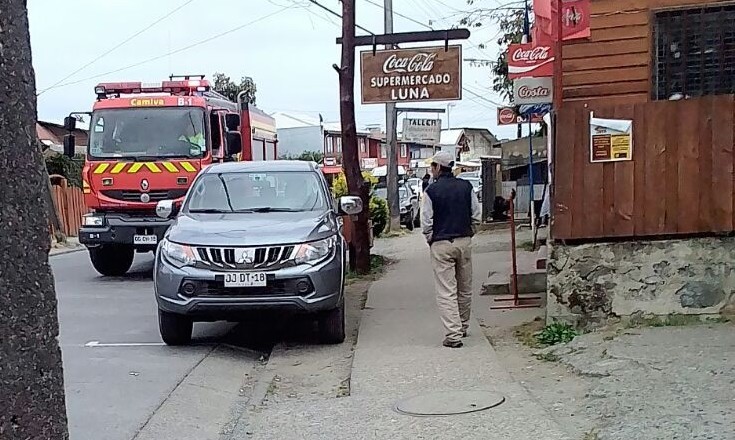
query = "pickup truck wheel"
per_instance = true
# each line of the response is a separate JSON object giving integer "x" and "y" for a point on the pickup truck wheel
{"x": 112, "y": 260}
{"x": 332, "y": 325}
{"x": 175, "y": 329}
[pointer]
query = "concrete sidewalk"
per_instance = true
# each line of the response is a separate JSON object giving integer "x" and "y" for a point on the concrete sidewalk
{"x": 399, "y": 355}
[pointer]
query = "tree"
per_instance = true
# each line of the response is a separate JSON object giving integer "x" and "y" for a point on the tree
{"x": 224, "y": 85}
{"x": 355, "y": 183}
{"x": 31, "y": 378}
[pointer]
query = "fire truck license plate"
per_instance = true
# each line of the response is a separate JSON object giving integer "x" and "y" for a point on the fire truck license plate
{"x": 245, "y": 279}
{"x": 145, "y": 239}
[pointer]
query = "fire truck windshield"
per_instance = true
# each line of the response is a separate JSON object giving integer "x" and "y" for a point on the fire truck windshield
{"x": 147, "y": 132}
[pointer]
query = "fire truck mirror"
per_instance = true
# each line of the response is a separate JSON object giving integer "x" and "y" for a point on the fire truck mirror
{"x": 234, "y": 143}
{"x": 70, "y": 123}
{"x": 232, "y": 121}
{"x": 69, "y": 145}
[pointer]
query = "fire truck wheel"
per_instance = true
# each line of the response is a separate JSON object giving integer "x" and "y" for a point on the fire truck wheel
{"x": 111, "y": 260}
{"x": 175, "y": 329}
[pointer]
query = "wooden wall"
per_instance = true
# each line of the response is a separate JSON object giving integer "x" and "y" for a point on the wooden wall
{"x": 681, "y": 180}
{"x": 614, "y": 64}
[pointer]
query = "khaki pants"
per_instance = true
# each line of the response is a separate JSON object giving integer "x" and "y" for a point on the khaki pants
{"x": 452, "y": 263}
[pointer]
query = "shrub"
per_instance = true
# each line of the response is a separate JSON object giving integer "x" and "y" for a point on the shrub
{"x": 378, "y": 215}
{"x": 556, "y": 333}
{"x": 71, "y": 169}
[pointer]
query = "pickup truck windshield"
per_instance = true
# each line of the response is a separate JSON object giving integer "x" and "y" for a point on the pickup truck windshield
{"x": 147, "y": 132}
{"x": 257, "y": 192}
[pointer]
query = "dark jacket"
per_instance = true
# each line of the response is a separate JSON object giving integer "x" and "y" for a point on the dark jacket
{"x": 452, "y": 206}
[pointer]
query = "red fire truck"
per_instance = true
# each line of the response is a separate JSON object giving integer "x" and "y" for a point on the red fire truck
{"x": 147, "y": 142}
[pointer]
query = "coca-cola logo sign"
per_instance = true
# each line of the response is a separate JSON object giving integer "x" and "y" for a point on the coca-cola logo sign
{"x": 535, "y": 54}
{"x": 421, "y": 62}
{"x": 533, "y": 91}
{"x": 507, "y": 116}
{"x": 527, "y": 60}
{"x": 411, "y": 75}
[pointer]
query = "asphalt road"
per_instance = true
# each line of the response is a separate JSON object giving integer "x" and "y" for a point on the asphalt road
{"x": 117, "y": 371}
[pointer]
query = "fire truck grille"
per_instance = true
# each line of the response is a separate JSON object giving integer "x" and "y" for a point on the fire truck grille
{"x": 244, "y": 258}
{"x": 134, "y": 196}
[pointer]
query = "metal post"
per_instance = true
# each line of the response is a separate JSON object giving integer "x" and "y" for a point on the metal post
{"x": 532, "y": 208}
{"x": 391, "y": 130}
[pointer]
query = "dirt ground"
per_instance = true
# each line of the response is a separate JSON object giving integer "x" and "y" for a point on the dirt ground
{"x": 670, "y": 382}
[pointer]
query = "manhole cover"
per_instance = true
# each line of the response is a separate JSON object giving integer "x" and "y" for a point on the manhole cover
{"x": 449, "y": 402}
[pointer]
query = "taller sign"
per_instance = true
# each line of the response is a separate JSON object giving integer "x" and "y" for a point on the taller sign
{"x": 427, "y": 131}
{"x": 411, "y": 75}
{"x": 526, "y": 60}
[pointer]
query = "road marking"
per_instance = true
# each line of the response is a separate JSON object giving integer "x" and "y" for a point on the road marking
{"x": 124, "y": 344}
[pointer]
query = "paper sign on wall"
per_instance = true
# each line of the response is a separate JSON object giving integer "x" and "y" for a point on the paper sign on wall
{"x": 611, "y": 140}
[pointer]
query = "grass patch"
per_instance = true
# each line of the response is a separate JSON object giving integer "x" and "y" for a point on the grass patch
{"x": 590, "y": 435}
{"x": 377, "y": 264}
{"x": 526, "y": 245}
{"x": 547, "y": 357}
{"x": 526, "y": 332}
{"x": 394, "y": 234}
{"x": 556, "y": 333}
{"x": 718, "y": 320}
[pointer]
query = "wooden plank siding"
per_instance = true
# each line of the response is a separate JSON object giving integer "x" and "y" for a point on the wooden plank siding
{"x": 614, "y": 65}
{"x": 680, "y": 181}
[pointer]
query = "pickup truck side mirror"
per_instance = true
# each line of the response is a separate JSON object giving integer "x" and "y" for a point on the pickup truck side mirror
{"x": 350, "y": 205}
{"x": 167, "y": 209}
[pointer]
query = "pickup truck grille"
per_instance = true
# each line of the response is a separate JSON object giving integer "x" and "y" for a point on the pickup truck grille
{"x": 244, "y": 258}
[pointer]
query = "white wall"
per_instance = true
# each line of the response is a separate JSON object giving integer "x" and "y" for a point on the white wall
{"x": 294, "y": 141}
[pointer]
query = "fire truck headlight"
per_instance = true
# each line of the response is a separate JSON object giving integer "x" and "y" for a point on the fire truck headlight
{"x": 92, "y": 220}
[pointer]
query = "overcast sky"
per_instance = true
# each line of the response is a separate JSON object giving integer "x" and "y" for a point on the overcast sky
{"x": 286, "y": 46}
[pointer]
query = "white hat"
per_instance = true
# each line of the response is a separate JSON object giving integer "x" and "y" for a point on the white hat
{"x": 444, "y": 159}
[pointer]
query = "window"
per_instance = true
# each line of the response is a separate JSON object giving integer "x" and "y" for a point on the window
{"x": 695, "y": 52}
{"x": 383, "y": 151}
{"x": 404, "y": 150}
{"x": 362, "y": 144}
{"x": 329, "y": 146}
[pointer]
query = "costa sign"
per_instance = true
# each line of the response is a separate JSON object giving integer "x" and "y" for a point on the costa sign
{"x": 411, "y": 75}
{"x": 533, "y": 91}
{"x": 526, "y": 60}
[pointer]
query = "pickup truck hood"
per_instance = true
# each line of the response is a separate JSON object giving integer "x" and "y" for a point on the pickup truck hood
{"x": 252, "y": 229}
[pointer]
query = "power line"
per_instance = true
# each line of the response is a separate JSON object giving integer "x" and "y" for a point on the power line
{"x": 337, "y": 14}
{"x": 155, "y": 22}
{"x": 182, "y": 49}
{"x": 401, "y": 15}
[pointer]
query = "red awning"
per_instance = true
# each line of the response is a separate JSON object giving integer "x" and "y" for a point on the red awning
{"x": 331, "y": 169}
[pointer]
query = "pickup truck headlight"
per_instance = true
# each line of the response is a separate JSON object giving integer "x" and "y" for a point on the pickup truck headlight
{"x": 93, "y": 220}
{"x": 314, "y": 252}
{"x": 178, "y": 254}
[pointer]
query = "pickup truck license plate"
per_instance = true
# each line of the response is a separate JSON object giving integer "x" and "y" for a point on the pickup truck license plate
{"x": 145, "y": 239}
{"x": 245, "y": 279}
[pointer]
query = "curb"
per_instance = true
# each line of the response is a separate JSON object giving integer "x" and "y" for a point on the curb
{"x": 66, "y": 251}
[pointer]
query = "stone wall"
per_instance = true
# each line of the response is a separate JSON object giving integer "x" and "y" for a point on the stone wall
{"x": 590, "y": 283}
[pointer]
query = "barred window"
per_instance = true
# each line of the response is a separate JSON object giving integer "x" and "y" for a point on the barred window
{"x": 695, "y": 52}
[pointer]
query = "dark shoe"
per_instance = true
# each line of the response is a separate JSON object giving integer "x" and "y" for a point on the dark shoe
{"x": 452, "y": 344}
{"x": 464, "y": 333}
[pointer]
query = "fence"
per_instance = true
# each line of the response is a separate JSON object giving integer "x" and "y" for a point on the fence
{"x": 69, "y": 205}
{"x": 680, "y": 180}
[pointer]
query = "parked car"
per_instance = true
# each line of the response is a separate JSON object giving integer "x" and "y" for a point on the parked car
{"x": 415, "y": 184}
{"x": 408, "y": 202}
{"x": 476, "y": 184}
{"x": 469, "y": 175}
{"x": 253, "y": 236}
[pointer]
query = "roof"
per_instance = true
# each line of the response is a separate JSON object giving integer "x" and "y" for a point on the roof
{"x": 261, "y": 166}
{"x": 451, "y": 137}
{"x": 294, "y": 120}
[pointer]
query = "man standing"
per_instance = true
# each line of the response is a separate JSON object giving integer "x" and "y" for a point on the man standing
{"x": 448, "y": 215}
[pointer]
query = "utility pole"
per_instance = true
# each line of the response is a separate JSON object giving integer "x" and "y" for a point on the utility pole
{"x": 391, "y": 130}
{"x": 356, "y": 185}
